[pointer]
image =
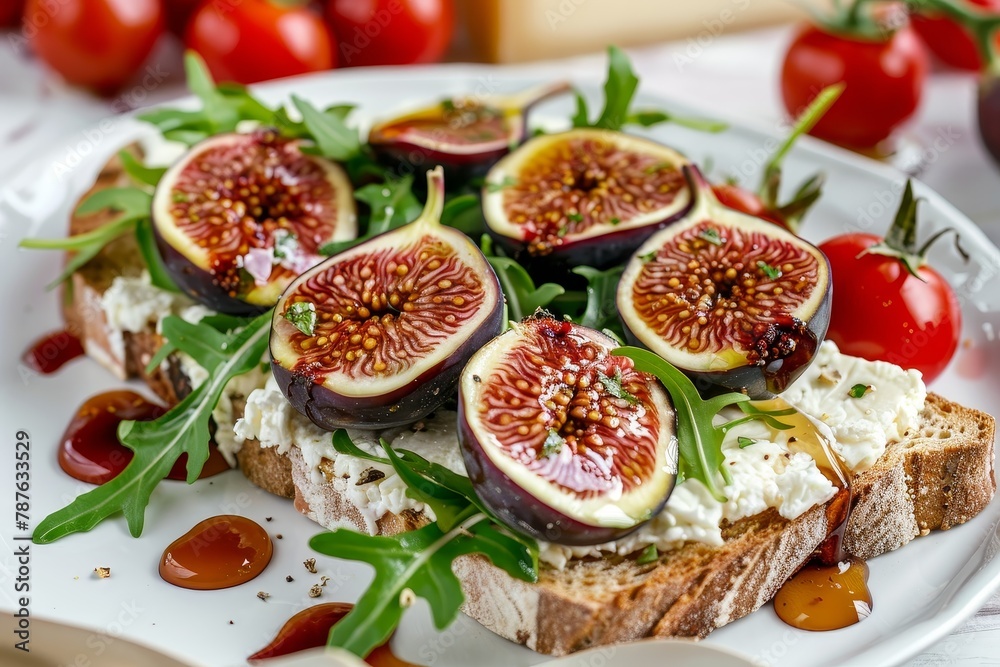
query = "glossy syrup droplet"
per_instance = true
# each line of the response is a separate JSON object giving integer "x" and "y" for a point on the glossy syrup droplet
{"x": 51, "y": 352}
{"x": 310, "y": 628}
{"x": 825, "y": 597}
{"x": 219, "y": 552}
{"x": 90, "y": 451}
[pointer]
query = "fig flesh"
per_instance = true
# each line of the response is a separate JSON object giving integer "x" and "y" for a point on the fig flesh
{"x": 563, "y": 441}
{"x": 240, "y": 215}
{"x": 583, "y": 197}
{"x": 377, "y": 335}
{"x": 465, "y": 135}
{"x": 728, "y": 298}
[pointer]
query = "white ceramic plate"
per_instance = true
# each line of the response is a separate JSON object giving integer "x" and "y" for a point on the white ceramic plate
{"x": 921, "y": 592}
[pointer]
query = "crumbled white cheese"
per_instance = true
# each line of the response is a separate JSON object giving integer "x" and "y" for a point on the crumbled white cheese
{"x": 765, "y": 474}
{"x": 238, "y": 388}
{"x": 271, "y": 420}
{"x": 862, "y": 426}
{"x": 132, "y": 303}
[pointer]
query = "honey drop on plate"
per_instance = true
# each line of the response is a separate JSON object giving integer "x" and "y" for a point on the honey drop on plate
{"x": 219, "y": 552}
{"x": 825, "y": 597}
{"x": 90, "y": 451}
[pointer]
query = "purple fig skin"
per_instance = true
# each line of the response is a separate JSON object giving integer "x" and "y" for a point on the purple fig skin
{"x": 600, "y": 252}
{"x": 330, "y": 410}
{"x": 522, "y": 511}
{"x": 459, "y": 169}
{"x": 199, "y": 284}
{"x": 988, "y": 109}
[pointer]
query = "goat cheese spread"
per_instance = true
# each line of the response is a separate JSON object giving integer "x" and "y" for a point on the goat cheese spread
{"x": 766, "y": 474}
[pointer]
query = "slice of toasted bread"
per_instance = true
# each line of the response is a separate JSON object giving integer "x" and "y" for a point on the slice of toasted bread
{"x": 941, "y": 475}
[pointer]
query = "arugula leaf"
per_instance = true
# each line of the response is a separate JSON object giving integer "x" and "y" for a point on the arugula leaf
{"x": 392, "y": 205}
{"x": 520, "y": 293}
{"x": 158, "y": 443}
{"x": 131, "y": 204}
{"x": 418, "y": 563}
{"x": 619, "y": 90}
{"x": 334, "y": 139}
{"x": 464, "y": 213}
{"x": 699, "y": 440}
{"x": 601, "y": 312}
{"x": 651, "y": 117}
{"x": 158, "y": 275}
{"x": 138, "y": 172}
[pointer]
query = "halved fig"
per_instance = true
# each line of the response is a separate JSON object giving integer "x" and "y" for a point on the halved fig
{"x": 563, "y": 441}
{"x": 727, "y": 297}
{"x": 465, "y": 135}
{"x": 377, "y": 335}
{"x": 240, "y": 215}
{"x": 586, "y": 196}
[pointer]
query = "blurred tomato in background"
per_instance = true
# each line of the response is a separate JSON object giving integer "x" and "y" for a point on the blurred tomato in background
{"x": 391, "y": 32}
{"x": 258, "y": 40}
{"x": 10, "y": 12}
{"x": 949, "y": 41}
{"x": 99, "y": 44}
{"x": 177, "y": 13}
{"x": 884, "y": 80}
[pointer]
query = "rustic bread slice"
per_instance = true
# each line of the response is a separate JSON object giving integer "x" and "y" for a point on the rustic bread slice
{"x": 938, "y": 477}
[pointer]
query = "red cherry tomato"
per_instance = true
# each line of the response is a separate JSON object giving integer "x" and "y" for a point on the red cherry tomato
{"x": 391, "y": 32}
{"x": 178, "y": 12}
{"x": 10, "y": 12}
{"x": 745, "y": 201}
{"x": 257, "y": 40}
{"x": 99, "y": 44}
{"x": 881, "y": 311}
{"x": 949, "y": 41}
{"x": 884, "y": 81}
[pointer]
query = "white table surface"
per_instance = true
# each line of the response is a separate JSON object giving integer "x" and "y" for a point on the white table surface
{"x": 741, "y": 70}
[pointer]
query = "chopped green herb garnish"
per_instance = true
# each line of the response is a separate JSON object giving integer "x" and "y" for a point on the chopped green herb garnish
{"x": 647, "y": 256}
{"x": 553, "y": 443}
{"x": 649, "y": 555}
{"x": 303, "y": 315}
{"x": 745, "y": 441}
{"x": 285, "y": 243}
{"x": 615, "y": 221}
{"x": 613, "y": 385}
{"x": 859, "y": 390}
{"x": 712, "y": 236}
{"x": 562, "y": 231}
{"x": 574, "y": 217}
{"x": 653, "y": 168}
{"x": 448, "y": 105}
{"x": 771, "y": 272}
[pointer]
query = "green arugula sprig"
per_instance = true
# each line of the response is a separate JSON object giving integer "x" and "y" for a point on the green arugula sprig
{"x": 131, "y": 205}
{"x": 157, "y": 444}
{"x": 521, "y": 296}
{"x": 418, "y": 563}
{"x": 392, "y": 205}
{"x": 699, "y": 439}
{"x": 619, "y": 89}
{"x": 601, "y": 311}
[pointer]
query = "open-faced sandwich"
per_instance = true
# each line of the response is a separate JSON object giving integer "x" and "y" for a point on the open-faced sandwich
{"x": 448, "y": 388}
